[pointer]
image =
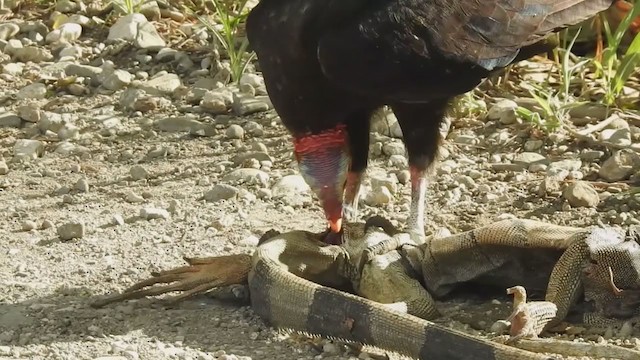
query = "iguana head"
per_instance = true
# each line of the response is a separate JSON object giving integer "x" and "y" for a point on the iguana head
{"x": 611, "y": 276}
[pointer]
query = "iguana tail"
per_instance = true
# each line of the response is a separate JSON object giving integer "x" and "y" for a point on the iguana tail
{"x": 286, "y": 300}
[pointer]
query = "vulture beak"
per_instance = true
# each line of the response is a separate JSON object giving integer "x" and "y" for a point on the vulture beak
{"x": 324, "y": 163}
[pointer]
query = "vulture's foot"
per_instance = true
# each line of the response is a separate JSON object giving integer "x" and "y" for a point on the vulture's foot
{"x": 201, "y": 275}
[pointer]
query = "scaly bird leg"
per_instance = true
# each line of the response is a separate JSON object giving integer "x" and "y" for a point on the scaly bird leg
{"x": 415, "y": 222}
{"x": 422, "y": 139}
{"x": 352, "y": 196}
{"x": 201, "y": 275}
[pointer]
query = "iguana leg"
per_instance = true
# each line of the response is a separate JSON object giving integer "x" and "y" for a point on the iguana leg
{"x": 387, "y": 279}
{"x": 565, "y": 282}
{"x": 528, "y": 320}
{"x": 200, "y": 275}
{"x": 386, "y": 276}
{"x": 391, "y": 244}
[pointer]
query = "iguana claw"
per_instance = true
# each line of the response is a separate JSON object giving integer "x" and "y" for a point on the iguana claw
{"x": 200, "y": 275}
{"x": 528, "y": 320}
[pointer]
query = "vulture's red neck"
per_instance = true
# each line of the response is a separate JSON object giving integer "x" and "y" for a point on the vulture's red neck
{"x": 324, "y": 163}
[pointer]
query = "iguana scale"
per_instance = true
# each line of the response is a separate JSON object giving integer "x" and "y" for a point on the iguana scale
{"x": 294, "y": 281}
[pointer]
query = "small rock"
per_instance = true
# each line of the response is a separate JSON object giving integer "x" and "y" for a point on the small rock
{"x": 32, "y": 54}
{"x": 9, "y": 119}
{"x": 67, "y": 6}
{"x": 549, "y": 186}
{"x": 331, "y": 348}
{"x": 28, "y": 149}
{"x": 235, "y": 132}
{"x": 136, "y": 28}
{"x": 385, "y": 122}
{"x": 620, "y": 166}
{"x": 247, "y": 176}
{"x": 620, "y": 137}
{"x": 254, "y": 129}
{"x": 534, "y": 168}
{"x": 13, "y": 69}
{"x": 83, "y": 70}
{"x": 114, "y": 79}
{"x": 33, "y": 91}
{"x": 378, "y": 196}
{"x": 398, "y": 161}
{"x": 504, "y": 111}
{"x": 581, "y": 194}
{"x": 178, "y": 124}
{"x": 150, "y": 9}
{"x": 138, "y": 172}
{"x": 250, "y": 241}
{"x": 564, "y": 165}
{"x": 393, "y": 148}
{"x": 500, "y": 327}
{"x": 148, "y": 37}
{"x": 28, "y": 225}
{"x": 46, "y": 224}
{"x": 150, "y": 213}
{"x": 67, "y": 132}
{"x": 214, "y": 102}
{"x": 221, "y": 192}
{"x": 255, "y": 80}
{"x": 533, "y": 145}
{"x": 4, "y": 168}
{"x": 82, "y": 185}
{"x": 259, "y": 156}
{"x": 117, "y": 220}
{"x": 246, "y": 104}
{"x": 74, "y": 52}
{"x": 71, "y": 231}
{"x": 132, "y": 197}
{"x": 67, "y": 33}
{"x": 8, "y": 30}
{"x": 223, "y": 223}
{"x": 30, "y": 113}
{"x": 528, "y": 158}
{"x": 290, "y": 184}
{"x": 390, "y": 182}
{"x": 591, "y": 155}
{"x": 464, "y": 139}
{"x": 165, "y": 84}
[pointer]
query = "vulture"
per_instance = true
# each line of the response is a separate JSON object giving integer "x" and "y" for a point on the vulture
{"x": 328, "y": 65}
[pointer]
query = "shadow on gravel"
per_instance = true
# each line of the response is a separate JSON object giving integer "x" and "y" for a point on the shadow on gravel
{"x": 202, "y": 323}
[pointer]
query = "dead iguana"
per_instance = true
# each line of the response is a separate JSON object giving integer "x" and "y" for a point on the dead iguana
{"x": 294, "y": 280}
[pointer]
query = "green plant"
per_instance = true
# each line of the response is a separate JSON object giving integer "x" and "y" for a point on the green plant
{"x": 554, "y": 108}
{"x": 569, "y": 65}
{"x": 467, "y": 105}
{"x": 615, "y": 71}
{"x": 230, "y": 19}
{"x": 129, "y": 6}
{"x": 554, "y": 105}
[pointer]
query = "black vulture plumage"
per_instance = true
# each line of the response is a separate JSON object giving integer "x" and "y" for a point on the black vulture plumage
{"x": 329, "y": 64}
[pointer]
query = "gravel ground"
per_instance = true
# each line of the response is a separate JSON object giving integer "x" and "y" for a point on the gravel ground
{"x": 124, "y": 148}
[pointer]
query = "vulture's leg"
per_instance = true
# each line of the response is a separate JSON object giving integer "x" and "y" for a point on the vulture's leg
{"x": 420, "y": 125}
{"x": 358, "y": 131}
